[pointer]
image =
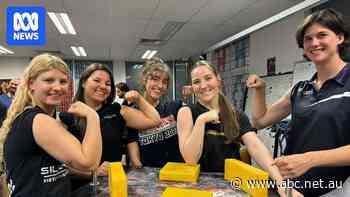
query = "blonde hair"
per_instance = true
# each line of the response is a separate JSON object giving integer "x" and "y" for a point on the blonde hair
{"x": 153, "y": 65}
{"x": 228, "y": 113}
{"x": 24, "y": 98}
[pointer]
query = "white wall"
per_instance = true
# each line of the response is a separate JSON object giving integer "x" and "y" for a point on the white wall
{"x": 276, "y": 40}
{"x": 11, "y": 67}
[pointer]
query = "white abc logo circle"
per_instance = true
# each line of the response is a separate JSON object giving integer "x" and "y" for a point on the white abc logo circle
{"x": 33, "y": 21}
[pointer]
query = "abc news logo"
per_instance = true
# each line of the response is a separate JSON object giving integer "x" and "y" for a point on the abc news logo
{"x": 26, "y": 25}
{"x": 29, "y": 29}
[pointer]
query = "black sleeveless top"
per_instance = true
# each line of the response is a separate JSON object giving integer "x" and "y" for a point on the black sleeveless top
{"x": 215, "y": 150}
{"x": 30, "y": 170}
{"x": 112, "y": 127}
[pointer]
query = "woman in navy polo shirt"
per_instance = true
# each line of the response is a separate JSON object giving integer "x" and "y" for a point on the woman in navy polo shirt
{"x": 318, "y": 146}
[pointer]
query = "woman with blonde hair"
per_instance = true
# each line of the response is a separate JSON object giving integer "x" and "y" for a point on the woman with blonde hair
{"x": 37, "y": 148}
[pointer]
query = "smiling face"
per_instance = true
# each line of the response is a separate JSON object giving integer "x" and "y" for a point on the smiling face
{"x": 97, "y": 87}
{"x": 156, "y": 85}
{"x": 321, "y": 43}
{"x": 49, "y": 88}
{"x": 205, "y": 83}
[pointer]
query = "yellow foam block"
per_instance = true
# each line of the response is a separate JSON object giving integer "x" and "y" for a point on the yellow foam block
{"x": 248, "y": 178}
{"x": 118, "y": 181}
{"x": 181, "y": 192}
{"x": 173, "y": 171}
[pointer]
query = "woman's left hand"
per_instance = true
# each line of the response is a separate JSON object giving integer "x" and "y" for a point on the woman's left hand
{"x": 132, "y": 96}
{"x": 292, "y": 166}
{"x": 102, "y": 170}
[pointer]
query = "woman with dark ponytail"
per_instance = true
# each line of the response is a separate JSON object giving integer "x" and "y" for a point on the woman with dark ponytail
{"x": 211, "y": 130}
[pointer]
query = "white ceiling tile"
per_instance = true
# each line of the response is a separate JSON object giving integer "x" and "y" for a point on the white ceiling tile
{"x": 133, "y": 9}
{"x": 112, "y": 28}
{"x": 173, "y": 10}
{"x": 216, "y": 12}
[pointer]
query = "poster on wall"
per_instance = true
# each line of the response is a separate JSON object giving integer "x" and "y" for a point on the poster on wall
{"x": 271, "y": 66}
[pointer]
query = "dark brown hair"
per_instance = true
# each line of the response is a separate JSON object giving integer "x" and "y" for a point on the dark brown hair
{"x": 79, "y": 96}
{"x": 228, "y": 114}
{"x": 122, "y": 87}
{"x": 330, "y": 19}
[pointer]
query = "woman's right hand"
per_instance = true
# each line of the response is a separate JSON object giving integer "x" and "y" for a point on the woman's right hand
{"x": 80, "y": 109}
{"x": 254, "y": 81}
{"x": 132, "y": 96}
{"x": 102, "y": 170}
{"x": 211, "y": 116}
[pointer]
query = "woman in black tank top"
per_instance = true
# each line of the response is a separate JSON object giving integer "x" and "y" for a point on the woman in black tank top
{"x": 211, "y": 130}
{"x": 37, "y": 148}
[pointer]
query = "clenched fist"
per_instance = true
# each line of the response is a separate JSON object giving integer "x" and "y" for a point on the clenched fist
{"x": 81, "y": 109}
{"x": 254, "y": 81}
{"x": 132, "y": 97}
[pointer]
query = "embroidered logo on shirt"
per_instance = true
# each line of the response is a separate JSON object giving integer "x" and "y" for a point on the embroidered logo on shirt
{"x": 53, "y": 173}
{"x": 215, "y": 133}
{"x": 109, "y": 116}
{"x": 11, "y": 186}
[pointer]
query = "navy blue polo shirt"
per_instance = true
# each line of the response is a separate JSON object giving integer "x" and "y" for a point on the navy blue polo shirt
{"x": 320, "y": 121}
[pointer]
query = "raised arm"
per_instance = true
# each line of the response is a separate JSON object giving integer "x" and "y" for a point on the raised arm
{"x": 60, "y": 144}
{"x": 191, "y": 137}
{"x": 144, "y": 118}
{"x": 263, "y": 116}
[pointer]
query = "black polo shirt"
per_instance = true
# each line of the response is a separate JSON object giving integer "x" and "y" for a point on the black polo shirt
{"x": 320, "y": 121}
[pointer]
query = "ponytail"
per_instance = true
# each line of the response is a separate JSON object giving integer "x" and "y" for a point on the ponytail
{"x": 228, "y": 117}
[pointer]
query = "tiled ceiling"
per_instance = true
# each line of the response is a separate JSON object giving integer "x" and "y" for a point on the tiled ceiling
{"x": 111, "y": 29}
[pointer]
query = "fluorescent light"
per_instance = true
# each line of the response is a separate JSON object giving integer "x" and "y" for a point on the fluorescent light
{"x": 146, "y": 54}
{"x": 68, "y": 23}
{"x": 78, "y": 51}
{"x": 62, "y": 22}
{"x": 82, "y": 51}
{"x": 57, "y": 23}
{"x": 5, "y": 51}
{"x": 151, "y": 54}
{"x": 75, "y": 51}
{"x": 277, "y": 17}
